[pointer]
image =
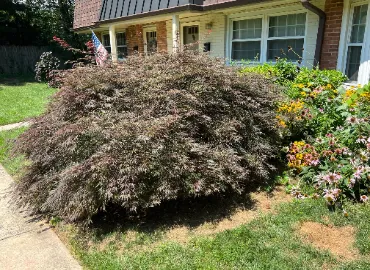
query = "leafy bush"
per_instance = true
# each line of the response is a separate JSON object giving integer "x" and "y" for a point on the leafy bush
{"x": 282, "y": 72}
{"x": 151, "y": 129}
{"x": 45, "y": 66}
{"x": 311, "y": 79}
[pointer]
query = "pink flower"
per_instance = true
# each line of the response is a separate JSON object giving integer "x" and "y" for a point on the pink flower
{"x": 329, "y": 196}
{"x": 332, "y": 178}
{"x": 352, "y": 182}
{"x": 352, "y": 120}
{"x": 361, "y": 139}
{"x": 315, "y": 162}
{"x": 364, "y": 198}
{"x": 357, "y": 174}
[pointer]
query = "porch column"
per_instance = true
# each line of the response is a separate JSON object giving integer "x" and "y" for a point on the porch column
{"x": 113, "y": 43}
{"x": 175, "y": 33}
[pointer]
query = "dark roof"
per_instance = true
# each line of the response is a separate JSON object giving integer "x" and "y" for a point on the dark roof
{"x": 112, "y": 9}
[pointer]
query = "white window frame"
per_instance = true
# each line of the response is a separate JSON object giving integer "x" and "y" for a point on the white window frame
{"x": 102, "y": 40}
{"x": 109, "y": 46}
{"x": 346, "y": 31}
{"x": 247, "y": 39}
{"x": 146, "y": 30}
{"x": 121, "y": 46}
{"x": 265, "y": 33}
{"x": 286, "y": 37}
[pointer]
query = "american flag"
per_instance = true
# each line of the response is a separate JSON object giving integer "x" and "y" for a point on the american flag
{"x": 101, "y": 54}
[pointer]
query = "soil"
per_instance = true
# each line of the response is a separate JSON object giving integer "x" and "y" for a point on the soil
{"x": 337, "y": 240}
{"x": 263, "y": 203}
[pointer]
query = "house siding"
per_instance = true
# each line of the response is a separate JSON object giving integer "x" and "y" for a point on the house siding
{"x": 216, "y": 35}
{"x": 220, "y": 45}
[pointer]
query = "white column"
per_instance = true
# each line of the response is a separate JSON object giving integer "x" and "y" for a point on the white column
{"x": 113, "y": 43}
{"x": 175, "y": 33}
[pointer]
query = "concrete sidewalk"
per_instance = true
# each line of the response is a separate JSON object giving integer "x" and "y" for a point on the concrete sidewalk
{"x": 25, "y": 241}
{"x": 15, "y": 125}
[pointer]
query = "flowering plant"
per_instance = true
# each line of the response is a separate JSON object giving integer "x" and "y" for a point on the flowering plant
{"x": 334, "y": 155}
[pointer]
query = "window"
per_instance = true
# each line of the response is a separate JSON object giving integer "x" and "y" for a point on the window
{"x": 106, "y": 42}
{"x": 265, "y": 39}
{"x": 191, "y": 37}
{"x": 356, "y": 41}
{"x": 285, "y": 32}
{"x": 246, "y": 40}
{"x": 121, "y": 44}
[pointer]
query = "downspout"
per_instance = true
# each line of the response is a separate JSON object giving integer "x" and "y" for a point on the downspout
{"x": 321, "y": 30}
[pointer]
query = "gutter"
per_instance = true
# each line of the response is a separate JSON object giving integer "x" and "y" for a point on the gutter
{"x": 320, "y": 33}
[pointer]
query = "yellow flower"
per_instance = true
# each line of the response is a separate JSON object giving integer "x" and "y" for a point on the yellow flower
{"x": 329, "y": 86}
{"x": 300, "y": 143}
{"x": 301, "y": 85}
{"x": 303, "y": 93}
{"x": 282, "y": 123}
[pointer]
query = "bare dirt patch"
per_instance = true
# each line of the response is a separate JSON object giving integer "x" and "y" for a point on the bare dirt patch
{"x": 337, "y": 240}
{"x": 263, "y": 202}
{"x": 182, "y": 221}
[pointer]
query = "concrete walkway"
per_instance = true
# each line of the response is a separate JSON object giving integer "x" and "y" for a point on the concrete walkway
{"x": 15, "y": 125}
{"x": 27, "y": 243}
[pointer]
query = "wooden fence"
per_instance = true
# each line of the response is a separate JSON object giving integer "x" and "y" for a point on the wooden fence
{"x": 19, "y": 59}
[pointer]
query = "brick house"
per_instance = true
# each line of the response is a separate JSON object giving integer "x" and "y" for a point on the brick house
{"x": 333, "y": 33}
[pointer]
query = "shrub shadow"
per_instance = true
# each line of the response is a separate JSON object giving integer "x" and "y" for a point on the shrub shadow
{"x": 16, "y": 80}
{"x": 190, "y": 213}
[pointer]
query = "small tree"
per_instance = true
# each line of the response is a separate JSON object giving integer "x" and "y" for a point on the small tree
{"x": 151, "y": 129}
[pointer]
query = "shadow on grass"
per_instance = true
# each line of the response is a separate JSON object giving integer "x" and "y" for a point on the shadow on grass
{"x": 190, "y": 213}
{"x": 16, "y": 80}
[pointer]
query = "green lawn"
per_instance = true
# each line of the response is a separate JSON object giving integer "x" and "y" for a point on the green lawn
{"x": 268, "y": 242}
{"x": 12, "y": 164}
{"x": 20, "y": 98}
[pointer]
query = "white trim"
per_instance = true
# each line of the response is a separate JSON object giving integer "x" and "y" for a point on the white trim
{"x": 181, "y": 30}
{"x": 113, "y": 42}
{"x": 175, "y": 32}
{"x": 121, "y": 46}
{"x": 344, "y": 43}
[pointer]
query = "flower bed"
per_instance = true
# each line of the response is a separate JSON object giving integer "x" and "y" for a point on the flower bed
{"x": 327, "y": 133}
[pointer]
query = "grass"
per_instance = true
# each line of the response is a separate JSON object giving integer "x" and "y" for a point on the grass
{"x": 268, "y": 242}
{"x": 21, "y": 98}
{"x": 13, "y": 164}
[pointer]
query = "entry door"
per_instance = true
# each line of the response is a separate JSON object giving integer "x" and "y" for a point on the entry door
{"x": 191, "y": 37}
{"x": 150, "y": 41}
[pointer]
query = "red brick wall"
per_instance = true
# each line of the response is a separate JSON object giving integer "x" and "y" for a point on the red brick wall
{"x": 86, "y": 12}
{"x": 161, "y": 36}
{"x": 329, "y": 54}
{"x": 135, "y": 37}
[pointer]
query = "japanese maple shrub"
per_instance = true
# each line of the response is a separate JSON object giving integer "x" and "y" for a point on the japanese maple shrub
{"x": 151, "y": 129}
